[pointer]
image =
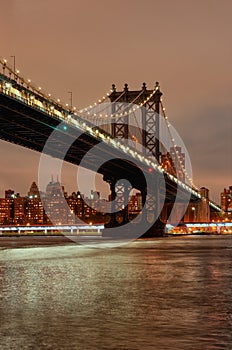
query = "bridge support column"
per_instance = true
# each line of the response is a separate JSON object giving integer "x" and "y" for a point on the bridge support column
{"x": 151, "y": 212}
{"x": 113, "y": 221}
{"x": 119, "y": 202}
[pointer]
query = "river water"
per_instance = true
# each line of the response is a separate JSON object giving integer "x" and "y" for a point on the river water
{"x": 167, "y": 293}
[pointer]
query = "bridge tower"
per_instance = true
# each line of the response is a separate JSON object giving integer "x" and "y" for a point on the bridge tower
{"x": 150, "y": 115}
{"x": 122, "y": 102}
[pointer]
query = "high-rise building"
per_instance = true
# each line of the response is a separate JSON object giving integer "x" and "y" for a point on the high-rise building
{"x": 56, "y": 206}
{"x": 34, "y": 191}
{"x": 20, "y": 210}
{"x": 167, "y": 163}
{"x": 199, "y": 211}
{"x": 76, "y": 204}
{"x": 178, "y": 159}
{"x": 94, "y": 195}
{"x": 204, "y": 205}
{"x": 35, "y": 211}
{"x": 6, "y": 211}
{"x": 226, "y": 199}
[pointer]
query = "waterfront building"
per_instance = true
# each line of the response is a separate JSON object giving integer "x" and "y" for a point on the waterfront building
{"x": 200, "y": 211}
{"x": 76, "y": 204}
{"x": 226, "y": 199}
{"x": 35, "y": 210}
{"x": 56, "y": 206}
{"x": 226, "y": 202}
{"x": 20, "y": 210}
{"x": 6, "y": 211}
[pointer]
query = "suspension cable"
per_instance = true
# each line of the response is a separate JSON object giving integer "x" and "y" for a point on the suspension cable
{"x": 175, "y": 146}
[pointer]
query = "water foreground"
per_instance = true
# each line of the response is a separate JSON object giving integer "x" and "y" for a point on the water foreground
{"x": 167, "y": 293}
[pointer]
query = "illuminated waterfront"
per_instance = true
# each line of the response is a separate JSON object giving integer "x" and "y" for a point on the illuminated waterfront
{"x": 168, "y": 293}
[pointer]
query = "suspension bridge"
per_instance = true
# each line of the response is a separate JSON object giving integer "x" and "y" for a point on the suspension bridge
{"x": 131, "y": 131}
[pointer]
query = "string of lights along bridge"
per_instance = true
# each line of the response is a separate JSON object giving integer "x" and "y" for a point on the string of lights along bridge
{"x": 105, "y": 121}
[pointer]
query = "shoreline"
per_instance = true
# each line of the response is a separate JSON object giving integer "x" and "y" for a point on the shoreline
{"x": 8, "y": 242}
{"x": 35, "y": 241}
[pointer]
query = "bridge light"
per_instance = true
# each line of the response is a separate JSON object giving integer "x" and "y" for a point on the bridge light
{"x": 65, "y": 127}
{"x": 150, "y": 170}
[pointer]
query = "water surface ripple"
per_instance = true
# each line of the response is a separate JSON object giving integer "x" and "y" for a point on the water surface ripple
{"x": 168, "y": 293}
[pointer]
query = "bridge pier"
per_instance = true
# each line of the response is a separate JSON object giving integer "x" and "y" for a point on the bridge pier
{"x": 119, "y": 194}
{"x": 157, "y": 229}
{"x": 152, "y": 213}
{"x": 149, "y": 223}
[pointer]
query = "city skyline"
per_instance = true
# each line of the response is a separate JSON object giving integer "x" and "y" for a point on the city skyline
{"x": 192, "y": 70}
{"x": 56, "y": 206}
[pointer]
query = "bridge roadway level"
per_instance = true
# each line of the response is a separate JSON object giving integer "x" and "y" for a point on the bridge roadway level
{"x": 29, "y": 127}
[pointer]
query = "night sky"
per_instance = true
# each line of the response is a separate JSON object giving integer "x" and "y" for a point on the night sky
{"x": 85, "y": 46}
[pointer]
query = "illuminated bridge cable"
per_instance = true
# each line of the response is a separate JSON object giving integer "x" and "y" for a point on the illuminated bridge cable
{"x": 180, "y": 164}
{"x": 14, "y": 75}
{"x": 125, "y": 112}
{"x": 97, "y": 115}
{"x": 100, "y": 101}
{"x": 99, "y": 119}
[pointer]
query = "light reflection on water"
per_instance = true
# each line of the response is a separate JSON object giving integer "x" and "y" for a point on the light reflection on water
{"x": 169, "y": 293}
